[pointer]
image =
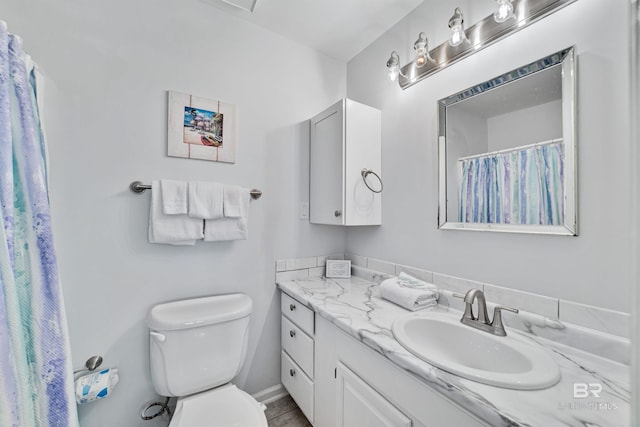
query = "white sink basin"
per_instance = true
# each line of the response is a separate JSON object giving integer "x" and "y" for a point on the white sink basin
{"x": 509, "y": 362}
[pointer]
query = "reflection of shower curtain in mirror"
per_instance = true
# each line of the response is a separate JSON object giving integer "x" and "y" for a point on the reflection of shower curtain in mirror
{"x": 36, "y": 382}
{"x": 520, "y": 186}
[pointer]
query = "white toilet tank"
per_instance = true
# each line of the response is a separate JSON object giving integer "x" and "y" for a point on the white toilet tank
{"x": 199, "y": 343}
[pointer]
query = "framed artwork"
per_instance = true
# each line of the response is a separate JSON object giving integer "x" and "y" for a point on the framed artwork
{"x": 338, "y": 268}
{"x": 200, "y": 128}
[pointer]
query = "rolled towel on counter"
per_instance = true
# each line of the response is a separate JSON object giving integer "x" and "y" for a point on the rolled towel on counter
{"x": 409, "y": 292}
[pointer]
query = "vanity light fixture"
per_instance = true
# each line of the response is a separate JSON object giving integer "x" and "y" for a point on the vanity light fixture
{"x": 456, "y": 23}
{"x": 421, "y": 46}
{"x": 462, "y": 44}
{"x": 504, "y": 12}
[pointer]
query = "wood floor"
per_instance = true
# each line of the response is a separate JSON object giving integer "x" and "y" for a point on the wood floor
{"x": 285, "y": 413}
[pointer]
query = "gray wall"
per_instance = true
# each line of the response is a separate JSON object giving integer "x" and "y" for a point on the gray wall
{"x": 593, "y": 268}
{"x": 108, "y": 66}
{"x": 527, "y": 126}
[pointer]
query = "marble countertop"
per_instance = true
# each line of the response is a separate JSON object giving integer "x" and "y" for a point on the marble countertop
{"x": 354, "y": 306}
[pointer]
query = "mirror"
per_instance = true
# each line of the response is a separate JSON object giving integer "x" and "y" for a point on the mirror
{"x": 507, "y": 151}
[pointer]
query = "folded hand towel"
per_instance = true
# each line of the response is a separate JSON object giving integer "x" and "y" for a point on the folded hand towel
{"x": 413, "y": 297}
{"x": 411, "y": 282}
{"x": 174, "y": 197}
{"x": 236, "y": 201}
{"x": 225, "y": 229}
{"x": 171, "y": 229}
{"x": 205, "y": 200}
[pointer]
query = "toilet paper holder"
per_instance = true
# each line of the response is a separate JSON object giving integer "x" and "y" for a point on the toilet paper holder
{"x": 91, "y": 364}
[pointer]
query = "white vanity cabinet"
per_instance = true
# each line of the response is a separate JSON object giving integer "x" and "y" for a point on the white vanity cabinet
{"x": 345, "y": 139}
{"x": 356, "y": 386}
{"x": 337, "y": 381}
{"x": 297, "y": 355}
{"x": 359, "y": 404}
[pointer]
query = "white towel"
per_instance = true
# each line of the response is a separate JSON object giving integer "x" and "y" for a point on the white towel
{"x": 225, "y": 229}
{"x": 236, "y": 201}
{"x": 205, "y": 200}
{"x": 174, "y": 197}
{"x": 409, "y": 292}
{"x": 171, "y": 229}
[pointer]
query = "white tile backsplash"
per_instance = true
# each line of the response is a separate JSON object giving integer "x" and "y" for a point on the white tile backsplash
{"x": 317, "y": 271}
{"x": 370, "y": 275}
{"x": 292, "y": 275}
{"x": 549, "y": 309}
{"x": 600, "y": 319}
{"x": 455, "y": 284}
{"x": 533, "y": 303}
{"x": 382, "y": 266}
{"x": 356, "y": 260}
{"x": 300, "y": 263}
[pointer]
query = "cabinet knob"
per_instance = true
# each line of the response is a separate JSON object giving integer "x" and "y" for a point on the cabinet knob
{"x": 292, "y": 372}
{"x": 337, "y": 213}
{"x": 292, "y": 307}
{"x": 292, "y": 333}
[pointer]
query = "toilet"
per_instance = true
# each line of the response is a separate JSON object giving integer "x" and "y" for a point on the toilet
{"x": 197, "y": 346}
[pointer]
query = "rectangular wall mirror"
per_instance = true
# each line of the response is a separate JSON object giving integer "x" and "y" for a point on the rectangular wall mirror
{"x": 507, "y": 151}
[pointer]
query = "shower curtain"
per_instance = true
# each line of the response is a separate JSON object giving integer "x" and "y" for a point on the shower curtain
{"x": 522, "y": 186}
{"x": 36, "y": 381}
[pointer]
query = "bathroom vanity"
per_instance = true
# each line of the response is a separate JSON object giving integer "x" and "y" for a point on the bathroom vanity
{"x": 360, "y": 374}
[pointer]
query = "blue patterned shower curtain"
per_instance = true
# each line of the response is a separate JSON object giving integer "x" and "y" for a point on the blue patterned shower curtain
{"x": 517, "y": 187}
{"x": 36, "y": 382}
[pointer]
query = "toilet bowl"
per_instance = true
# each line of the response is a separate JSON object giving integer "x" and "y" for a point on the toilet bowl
{"x": 225, "y": 406}
{"x": 197, "y": 347}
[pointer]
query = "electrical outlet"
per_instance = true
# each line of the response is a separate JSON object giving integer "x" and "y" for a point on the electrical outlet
{"x": 304, "y": 210}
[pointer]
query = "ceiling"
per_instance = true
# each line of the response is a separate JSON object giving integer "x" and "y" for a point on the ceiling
{"x": 338, "y": 28}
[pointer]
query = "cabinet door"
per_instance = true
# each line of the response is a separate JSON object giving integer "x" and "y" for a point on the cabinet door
{"x": 360, "y": 405}
{"x": 326, "y": 167}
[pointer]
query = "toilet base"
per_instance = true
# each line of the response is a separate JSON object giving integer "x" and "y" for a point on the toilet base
{"x": 222, "y": 406}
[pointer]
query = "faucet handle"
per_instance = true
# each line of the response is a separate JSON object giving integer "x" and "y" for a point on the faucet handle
{"x": 457, "y": 295}
{"x": 497, "y": 319}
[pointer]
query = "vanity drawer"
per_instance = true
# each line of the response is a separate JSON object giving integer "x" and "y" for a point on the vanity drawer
{"x": 297, "y": 313}
{"x": 298, "y": 345}
{"x": 299, "y": 386}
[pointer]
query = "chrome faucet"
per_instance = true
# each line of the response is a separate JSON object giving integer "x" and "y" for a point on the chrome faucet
{"x": 481, "y": 321}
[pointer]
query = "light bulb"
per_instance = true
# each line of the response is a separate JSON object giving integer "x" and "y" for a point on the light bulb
{"x": 457, "y": 28}
{"x": 393, "y": 66}
{"x": 421, "y": 46}
{"x": 504, "y": 12}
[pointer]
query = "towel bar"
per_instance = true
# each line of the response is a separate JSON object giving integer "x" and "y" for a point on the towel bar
{"x": 139, "y": 187}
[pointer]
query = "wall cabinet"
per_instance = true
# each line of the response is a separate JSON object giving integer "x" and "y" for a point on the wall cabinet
{"x": 345, "y": 139}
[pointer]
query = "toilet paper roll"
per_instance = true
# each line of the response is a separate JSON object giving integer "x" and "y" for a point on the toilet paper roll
{"x": 96, "y": 386}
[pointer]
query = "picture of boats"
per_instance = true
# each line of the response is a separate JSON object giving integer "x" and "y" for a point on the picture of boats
{"x": 202, "y": 127}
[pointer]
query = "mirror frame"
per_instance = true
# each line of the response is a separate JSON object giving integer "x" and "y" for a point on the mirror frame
{"x": 566, "y": 59}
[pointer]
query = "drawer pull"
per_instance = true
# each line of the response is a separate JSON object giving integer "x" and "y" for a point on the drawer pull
{"x": 292, "y": 372}
{"x": 292, "y": 307}
{"x": 292, "y": 333}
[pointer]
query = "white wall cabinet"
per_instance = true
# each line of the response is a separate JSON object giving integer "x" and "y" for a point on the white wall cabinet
{"x": 345, "y": 139}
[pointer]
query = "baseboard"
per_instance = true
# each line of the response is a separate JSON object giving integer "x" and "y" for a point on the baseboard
{"x": 270, "y": 394}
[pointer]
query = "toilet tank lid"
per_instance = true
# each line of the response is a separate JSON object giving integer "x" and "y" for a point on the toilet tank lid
{"x": 191, "y": 313}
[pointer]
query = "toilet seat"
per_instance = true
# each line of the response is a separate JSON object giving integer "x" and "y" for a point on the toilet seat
{"x": 225, "y": 406}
